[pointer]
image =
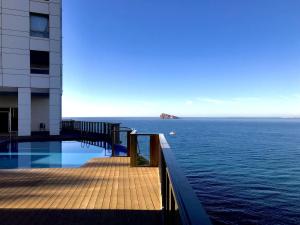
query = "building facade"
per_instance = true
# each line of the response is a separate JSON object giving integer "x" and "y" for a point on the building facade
{"x": 30, "y": 66}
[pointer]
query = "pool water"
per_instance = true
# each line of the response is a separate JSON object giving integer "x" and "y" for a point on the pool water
{"x": 51, "y": 154}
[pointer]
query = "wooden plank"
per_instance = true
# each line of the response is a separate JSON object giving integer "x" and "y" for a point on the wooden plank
{"x": 108, "y": 184}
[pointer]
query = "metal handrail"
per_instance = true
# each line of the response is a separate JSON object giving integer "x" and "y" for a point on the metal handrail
{"x": 177, "y": 190}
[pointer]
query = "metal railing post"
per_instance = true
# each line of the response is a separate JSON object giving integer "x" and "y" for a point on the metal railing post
{"x": 133, "y": 150}
{"x": 128, "y": 143}
{"x": 117, "y": 133}
{"x": 113, "y": 140}
{"x": 154, "y": 150}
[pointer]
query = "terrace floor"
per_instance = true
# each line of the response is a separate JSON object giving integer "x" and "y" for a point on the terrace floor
{"x": 103, "y": 191}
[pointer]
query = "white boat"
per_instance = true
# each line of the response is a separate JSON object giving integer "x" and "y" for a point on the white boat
{"x": 173, "y": 133}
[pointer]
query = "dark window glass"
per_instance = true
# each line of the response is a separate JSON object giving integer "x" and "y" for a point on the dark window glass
{"x": 14, "y": 119}
{"x": 39, "y": 25}
{"x": 39, "y": 62}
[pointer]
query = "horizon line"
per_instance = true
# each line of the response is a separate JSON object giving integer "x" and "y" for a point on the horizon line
{"x": 204, "y": 117}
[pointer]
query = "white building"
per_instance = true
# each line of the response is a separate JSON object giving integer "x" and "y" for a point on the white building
{"x": 30, "y": 66}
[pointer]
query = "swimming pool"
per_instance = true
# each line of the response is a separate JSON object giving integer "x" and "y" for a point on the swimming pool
{"x": 50, "y": 154}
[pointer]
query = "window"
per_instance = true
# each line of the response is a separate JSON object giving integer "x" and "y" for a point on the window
{"x": 39, "y": 25}
{"x": 39, "y": 62}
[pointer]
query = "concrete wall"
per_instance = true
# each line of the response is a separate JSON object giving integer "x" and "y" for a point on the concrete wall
{"x": 39, "y": 112}
{"x": 54, "y": 111}
{"x": 15, "y": 46}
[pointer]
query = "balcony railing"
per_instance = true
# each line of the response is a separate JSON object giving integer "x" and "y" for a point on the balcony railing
{"x": 111, "y": 133}
{"x": 179, "y": 201}
{"x": 87, "y": 127}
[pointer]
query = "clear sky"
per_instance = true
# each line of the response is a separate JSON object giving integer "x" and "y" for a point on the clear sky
{"x": 188, "y": 58}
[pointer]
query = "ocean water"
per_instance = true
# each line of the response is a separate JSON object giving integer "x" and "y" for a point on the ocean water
{"x": 244, "y": 171}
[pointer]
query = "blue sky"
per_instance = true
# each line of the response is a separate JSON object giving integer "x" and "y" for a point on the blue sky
{"x": 189, "y": 58}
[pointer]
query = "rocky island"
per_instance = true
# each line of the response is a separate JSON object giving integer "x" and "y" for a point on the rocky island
{"x": 168, "y": 116}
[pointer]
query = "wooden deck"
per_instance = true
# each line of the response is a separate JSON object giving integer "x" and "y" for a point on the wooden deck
{"x": 103, "y": 191}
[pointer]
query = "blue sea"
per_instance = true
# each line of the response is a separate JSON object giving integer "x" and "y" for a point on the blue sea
{"x": 244, "y": 171}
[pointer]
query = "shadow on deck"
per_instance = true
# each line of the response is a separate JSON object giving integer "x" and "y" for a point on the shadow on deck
{"x": 79, "y": 217}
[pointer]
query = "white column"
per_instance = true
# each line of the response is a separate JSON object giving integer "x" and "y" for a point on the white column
{"x": 24, "y": 111}
{"x": 54, "y": 111}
